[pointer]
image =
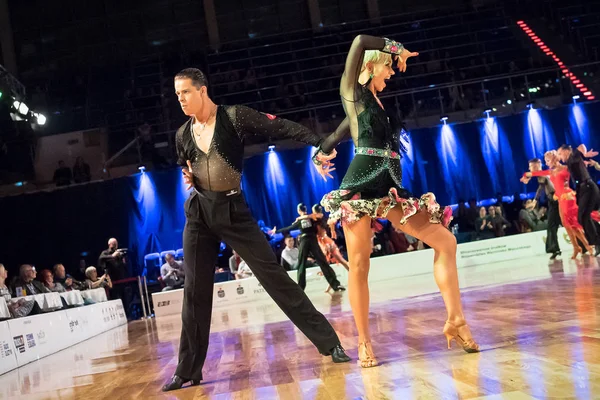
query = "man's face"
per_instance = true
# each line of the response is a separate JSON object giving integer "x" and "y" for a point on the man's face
{"x": 113, "y": 244}
{"x": 563, "y": 154}
{"x": 535, "y": 167}
{"x": 60, "y": 272}
{"x": 170, "y": 259}
{"x": 191, "y": 98}
{"x": 289, "y": 242}
{"x": 28, "y": 273}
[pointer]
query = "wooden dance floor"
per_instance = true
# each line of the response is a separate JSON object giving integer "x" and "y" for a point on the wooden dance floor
{"x": 538, "y": 324}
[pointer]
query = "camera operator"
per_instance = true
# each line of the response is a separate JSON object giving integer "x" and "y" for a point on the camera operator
{"x": 112, "y": 261}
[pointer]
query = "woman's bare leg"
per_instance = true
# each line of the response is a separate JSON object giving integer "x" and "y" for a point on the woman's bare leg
{"x": 358, "y": 242}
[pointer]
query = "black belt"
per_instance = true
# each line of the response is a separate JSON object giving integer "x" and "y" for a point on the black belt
{"x": 218, "y": 195}
{"x": 584, "y": 182}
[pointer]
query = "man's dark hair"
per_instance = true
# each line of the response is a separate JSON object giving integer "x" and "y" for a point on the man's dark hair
{"x": 302, "y": 207}
{"x": 286, "y": 237}
{"x": 198, "y": 78}
{"x": 535, "y": 161}
{"x": 566, "y": 147}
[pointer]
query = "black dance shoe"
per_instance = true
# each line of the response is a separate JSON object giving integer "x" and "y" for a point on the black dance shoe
{"x": 554, "y": 255}
{"x": 340, "y": 288}
{"x": 338, "y": 354}
{"x": 177, "y": 382}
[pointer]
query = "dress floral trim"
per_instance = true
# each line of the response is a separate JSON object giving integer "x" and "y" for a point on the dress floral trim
{"x": 351, "y": 210}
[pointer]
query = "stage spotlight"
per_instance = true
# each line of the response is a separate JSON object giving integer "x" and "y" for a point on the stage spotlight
{"x": 444, "y": 119}
{"x": 21, "y": 107}
{"x": 271, "y": 147}
{"x": 530, "y": 105}
{"x": 41, "y": 119}
{"x": 142, "y": 168}
{"x": 0, "y": 95}
{"x": 509, "y": 102}
{"x": 487, "y": 112}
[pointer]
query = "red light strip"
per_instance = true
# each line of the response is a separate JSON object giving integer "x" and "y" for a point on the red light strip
{"x": 566, "y": 73}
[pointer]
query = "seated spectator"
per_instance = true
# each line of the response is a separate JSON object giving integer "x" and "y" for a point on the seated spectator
{"x": 25, "y": 284}
{"x": 289, "y": 255}
{"x": 62, "y": 175}
{"x": 244, "y": 271}
{"x": 414, "y": 243}
{"x": 93, "y": 282}
{"x": 4, "y": 291}
{"x": 21, "y": 307}
{"x": 499, "y": 223}
{"x": 81, "y": 171}
{"x": 48, "y": 281}
{"x": 530, "y": 218}
{"x": 66, "y": 280}
{"x": 398, "y": 241}
{"x": 172, "y": 273}
{"x": 483, "y": 225}
{"x": 234, "y": 262}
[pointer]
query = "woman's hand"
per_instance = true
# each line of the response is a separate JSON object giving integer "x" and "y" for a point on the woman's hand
{"x": 188, "y": 176}
{"x": 403, "y": 58}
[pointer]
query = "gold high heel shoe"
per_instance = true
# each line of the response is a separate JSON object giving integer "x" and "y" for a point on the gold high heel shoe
{"x": 366, "y": 359}
{"x": 462, "y": 335}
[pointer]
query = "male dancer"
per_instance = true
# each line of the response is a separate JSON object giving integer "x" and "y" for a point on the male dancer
{"x": 588, "y": 195}
{"x": 310, "y": 245}
{"x": 211, "y": 144}
{"x": 544, "y": 184}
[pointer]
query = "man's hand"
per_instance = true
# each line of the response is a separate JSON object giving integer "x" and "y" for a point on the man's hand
{"x": 69, "y": 282}
{"x": 116, "y": 254}
{"x": 188, "y": 176}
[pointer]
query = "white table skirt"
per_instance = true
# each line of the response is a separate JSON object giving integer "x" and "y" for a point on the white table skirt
{"x": 96, "y": 295}
{"x": 46, "y": 301}
{"x": 73, "y": 297}
{"x": 4, "y": 313}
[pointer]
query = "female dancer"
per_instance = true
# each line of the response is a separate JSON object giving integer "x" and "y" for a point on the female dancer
{"x": 372, "y": 188}
{"x": 327, "y": 244}
{"x": 567, "y": 204}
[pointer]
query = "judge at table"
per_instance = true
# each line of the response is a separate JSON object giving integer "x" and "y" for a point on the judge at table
{"x": 27, "y": 283}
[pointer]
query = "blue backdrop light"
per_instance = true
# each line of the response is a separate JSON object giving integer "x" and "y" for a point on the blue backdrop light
{"x": 454, "y": 161}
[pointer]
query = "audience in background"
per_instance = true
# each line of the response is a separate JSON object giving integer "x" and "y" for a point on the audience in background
{"x": 25, "y": 284}
{"x": 172, "y": 273}
{"x": 244, "y": 271}
{"x": 94, "y": 282}
{"x": 499, "y": 223}
{"x": 530, "y": 218}
{"x": 289, "y": 255}
{"x": 62, "y": 175}
{"x": 66, "y": 280}
{"x": 4, "y": 291}
{"x": 234, "y": 262}
{"x": 81, "y": 171}
{"x": 483, "y": 224}
{"x": 48, "y": 282}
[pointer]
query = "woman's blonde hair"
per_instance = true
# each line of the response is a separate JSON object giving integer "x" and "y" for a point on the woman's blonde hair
{"x": 551, "y": 154}
{"x": 376, "y": 57}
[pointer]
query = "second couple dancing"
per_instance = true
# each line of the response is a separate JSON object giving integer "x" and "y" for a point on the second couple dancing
{"x": 577, "y": 209}
{"x": 210, "y": 149}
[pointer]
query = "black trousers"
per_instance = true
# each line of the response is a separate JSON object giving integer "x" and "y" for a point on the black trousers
{"x": 588, "y": 200}
{"x": 552, "y": 230}
{"x": 212, "y": 217}
{"x": 310, "y": 246}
